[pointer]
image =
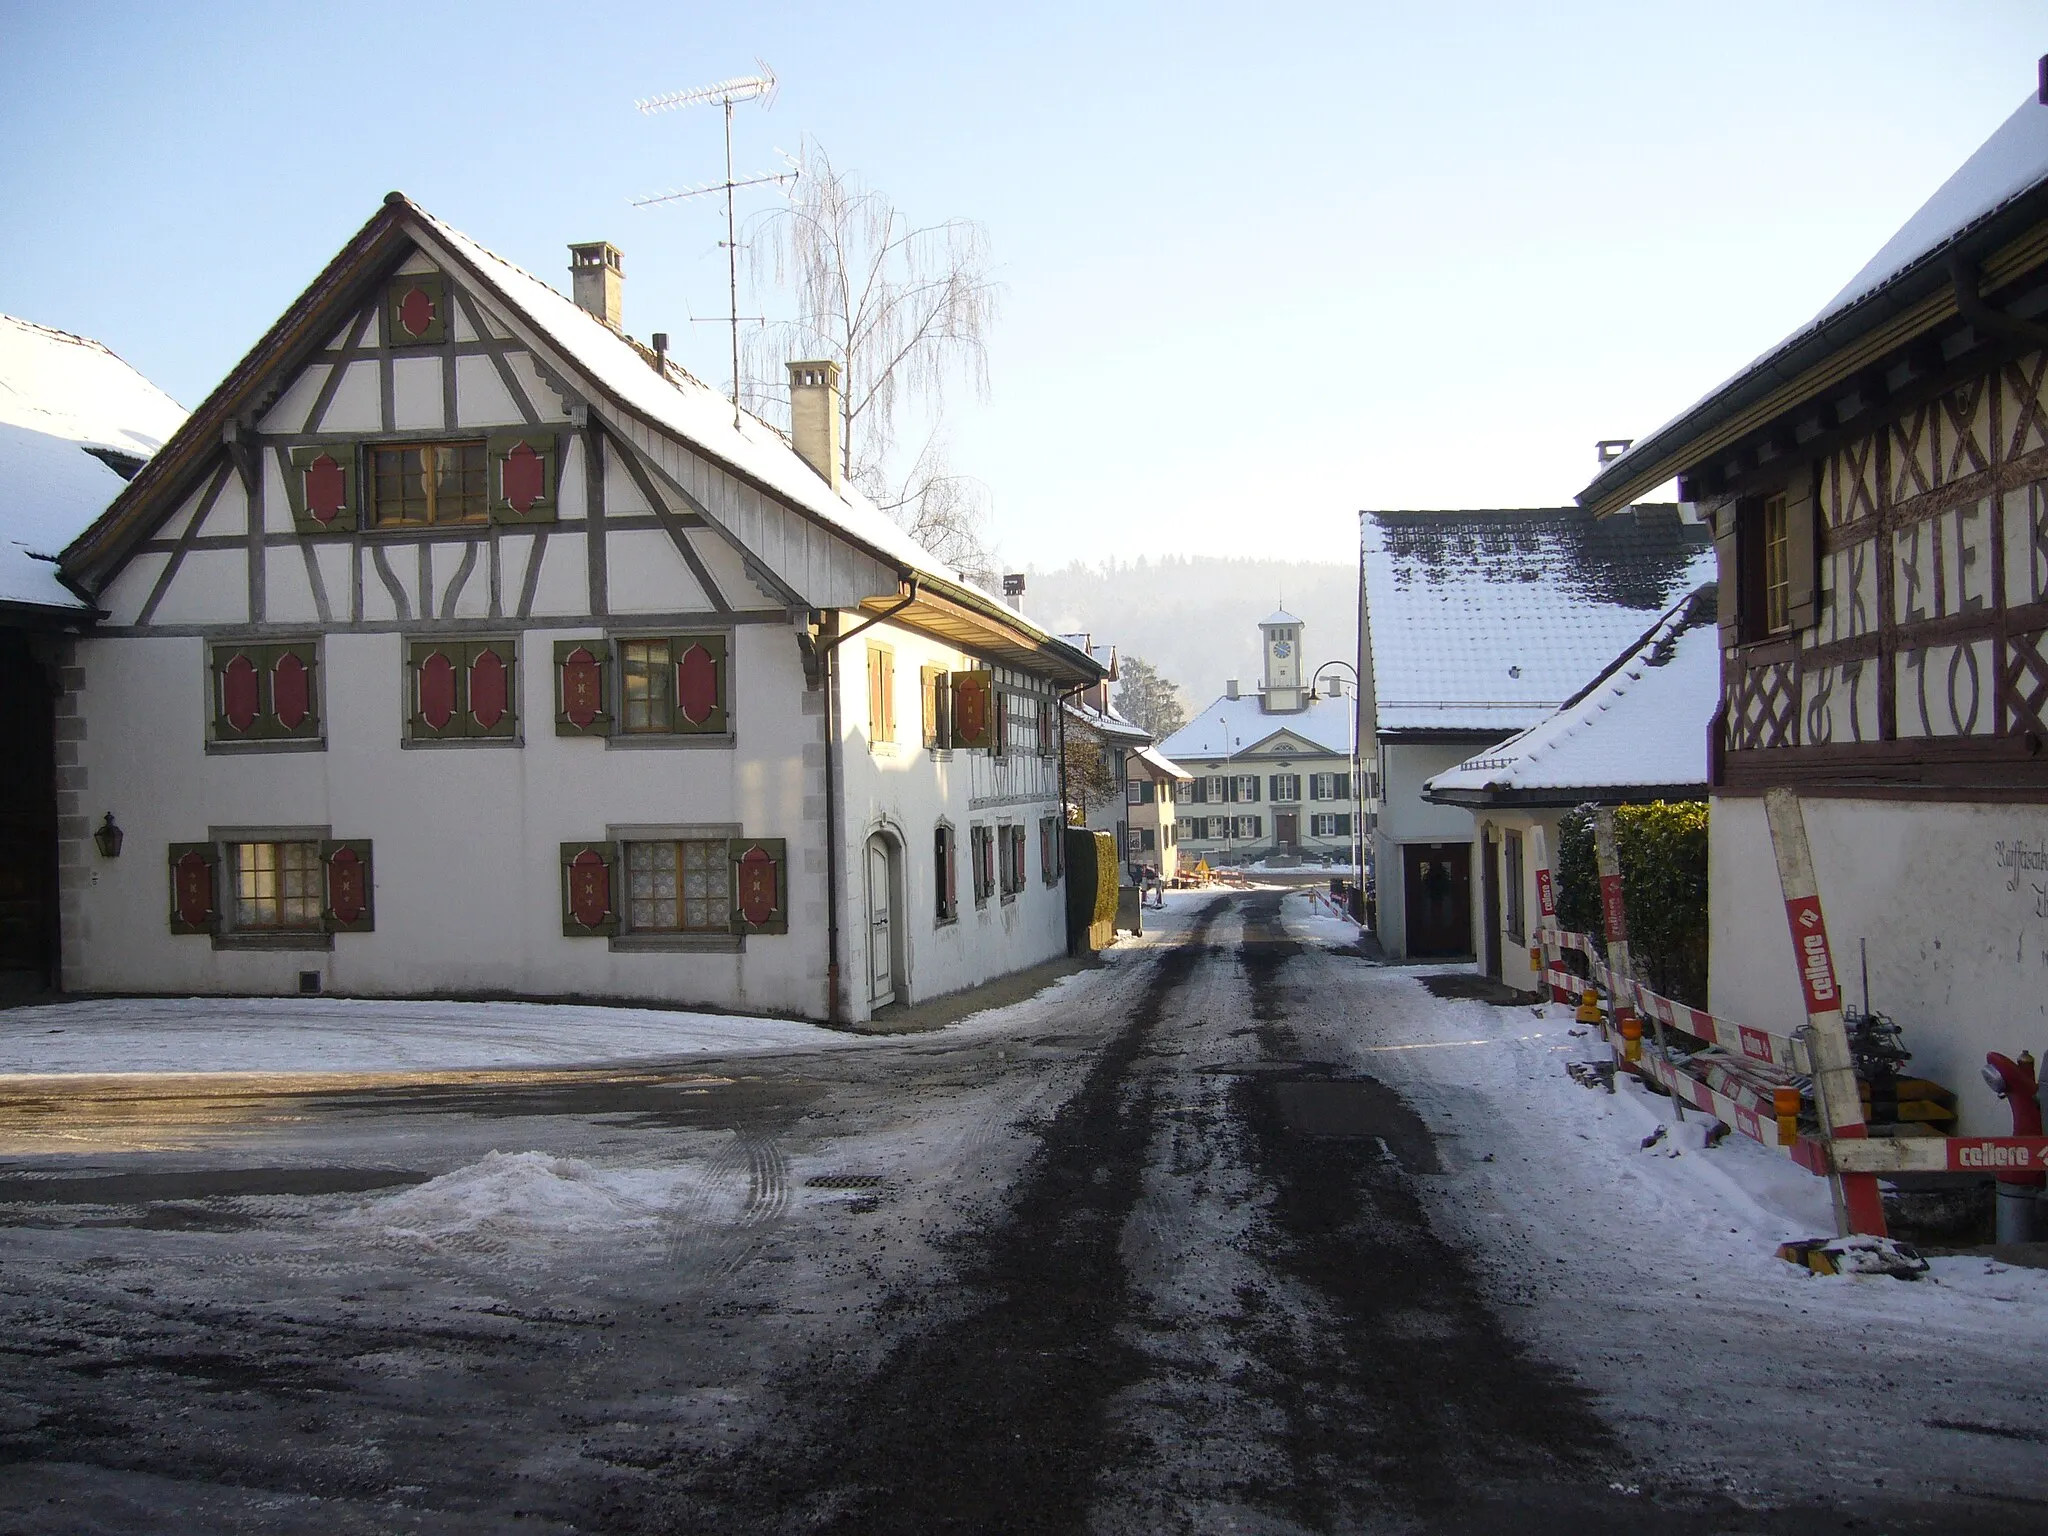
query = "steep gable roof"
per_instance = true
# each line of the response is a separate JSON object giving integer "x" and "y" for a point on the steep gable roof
{"x": 75, "y": 422}
{"x": 1481, "y": 621}
{"x": 1994, "y": 197}
{"x": 1639, "y": 728}
{"x": 624, "y": 378}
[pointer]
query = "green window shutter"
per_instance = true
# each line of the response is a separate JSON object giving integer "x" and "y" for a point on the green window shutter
{"x": 434, "y": 684}
{"x": 974, "y": 710}
{"x": 1802, "y": 519}
{"x": 490, "y": 688}
{"x": 195, "y": 888}
{"x": 416, "y": 309}
{"x": 583, "y": 688}
{"x": 322, "y": 488}
{"x": 525, "y": 476}
{"x": 348, "y": 903}
{"x": 701, "y": 684}
{"x": 1728, "y": 571}
{"x": 590, "y": 880}
{"x": 760, "y": 884}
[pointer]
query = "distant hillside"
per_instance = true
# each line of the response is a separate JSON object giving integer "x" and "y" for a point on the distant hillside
{"x": 1196, "y": 618}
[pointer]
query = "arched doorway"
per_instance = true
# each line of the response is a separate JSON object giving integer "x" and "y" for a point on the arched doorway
{"x": 886, "y": 981}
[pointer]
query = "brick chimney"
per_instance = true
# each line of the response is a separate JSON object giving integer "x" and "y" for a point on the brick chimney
{"x": 599, "y": 273}
{"x": 814, "y": 417}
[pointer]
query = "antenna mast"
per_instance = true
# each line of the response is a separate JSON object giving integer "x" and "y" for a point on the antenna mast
{"x": 727, "y": 93}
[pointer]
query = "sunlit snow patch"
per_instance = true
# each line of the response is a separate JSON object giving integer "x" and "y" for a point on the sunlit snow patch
{"x": 513, "y": 1194}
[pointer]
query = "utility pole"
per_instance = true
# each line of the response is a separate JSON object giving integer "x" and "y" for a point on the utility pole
{"x": 727, "y": 93}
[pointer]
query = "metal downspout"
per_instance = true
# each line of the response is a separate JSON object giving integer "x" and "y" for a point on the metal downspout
{"x": 834, "y": 1008}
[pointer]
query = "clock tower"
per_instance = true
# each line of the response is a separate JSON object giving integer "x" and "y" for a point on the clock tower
{"x": 1285, "y": 691}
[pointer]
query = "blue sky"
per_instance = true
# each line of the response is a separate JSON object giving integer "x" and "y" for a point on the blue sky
{"x": 1258, "y": 273}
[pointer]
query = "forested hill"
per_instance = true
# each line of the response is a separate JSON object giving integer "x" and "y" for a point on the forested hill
{"x": 1196, "y": 617}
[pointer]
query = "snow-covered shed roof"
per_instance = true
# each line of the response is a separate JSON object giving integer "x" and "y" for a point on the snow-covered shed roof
{"x": 1487, "y": 621}
{"x": 1108, "y": 722}
{"x": 1161, "y": 765}
{"x": 70, "y": 413}
{"x": 1225, "y": 726}
{"x": 1638, "y": 730}
{"x": 622, "y": 371}
{"x": 1993, "y": 196}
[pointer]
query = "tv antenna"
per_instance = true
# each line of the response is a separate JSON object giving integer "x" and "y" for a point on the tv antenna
{"x": 728, "y": 94}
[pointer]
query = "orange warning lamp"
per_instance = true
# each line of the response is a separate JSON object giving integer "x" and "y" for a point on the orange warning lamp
{"x": 1589, "y": 1007}
{"x": 1785, "y": 1103}
{"x": 1631, "y": 1029}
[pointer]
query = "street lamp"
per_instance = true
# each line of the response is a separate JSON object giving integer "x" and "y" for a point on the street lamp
{"x": 1357, "y": 779}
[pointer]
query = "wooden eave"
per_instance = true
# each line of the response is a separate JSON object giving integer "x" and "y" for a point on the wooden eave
{"x": 1508, "y": 798}
{"x": 326, "y": 304}
{"x": 983, "y": 628}
{"x": 2005, "y": 247}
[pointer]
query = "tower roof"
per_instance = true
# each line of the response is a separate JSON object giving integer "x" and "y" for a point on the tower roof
{"x": 1278, "y": 616}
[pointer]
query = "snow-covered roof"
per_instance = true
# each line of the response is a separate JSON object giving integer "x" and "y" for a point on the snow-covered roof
{"x": 1225, "y": 726}
{"x": 1108, "y": 722}
{"x": 615, "y": 366}
{"x": 690, "y": 408}
{"x": 1641, "y": 725}
{"x": 1278, "y": 616}
{"x": 1487, "y": 621}
{"x": 62, "y": 396}
{"x": 1161, "y": 763}
{"x": 2005, "y": 168}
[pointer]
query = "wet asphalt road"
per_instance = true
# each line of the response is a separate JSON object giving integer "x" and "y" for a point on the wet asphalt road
{"x": 1155, "y": 1262}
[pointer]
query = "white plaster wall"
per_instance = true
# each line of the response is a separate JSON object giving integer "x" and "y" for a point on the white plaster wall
{"x": 1517, "y": 970}
{"x": 466, "y": 840}
{"x": 1405, "y": 817}
{"x": 1957, "y": 935}
{"x": 904, "y": 790}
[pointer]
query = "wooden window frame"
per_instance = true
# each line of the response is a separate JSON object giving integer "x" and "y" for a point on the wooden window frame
{"x": 1776, "y": 531}
{"x": 670, "y": 725}
{"x": 935, "y": 689}
{"x": 342, "y": 890}
{"x": 430, "y": 485}
{"x": 713, "y": 853}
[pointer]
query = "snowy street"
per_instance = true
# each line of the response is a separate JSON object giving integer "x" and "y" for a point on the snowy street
{"x": 1237, "y": 1232}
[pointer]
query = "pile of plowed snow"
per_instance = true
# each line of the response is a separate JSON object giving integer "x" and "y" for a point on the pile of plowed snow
{"x": 509, "y": 1194}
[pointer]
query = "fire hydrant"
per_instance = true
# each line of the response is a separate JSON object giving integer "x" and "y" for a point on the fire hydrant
{"x": 2018, "y": 1193}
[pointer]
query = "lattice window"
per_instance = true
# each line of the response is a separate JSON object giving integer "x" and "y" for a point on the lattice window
{"x": 416, "y": 485}
{"x": 678, "y": 887}
{"x": 277, "y": 885}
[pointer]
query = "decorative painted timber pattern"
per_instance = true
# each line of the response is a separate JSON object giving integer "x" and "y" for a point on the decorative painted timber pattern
{"x": 1932, "y": 631}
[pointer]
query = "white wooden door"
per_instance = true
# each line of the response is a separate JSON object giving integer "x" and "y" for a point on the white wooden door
{"x": 881, "y": 938}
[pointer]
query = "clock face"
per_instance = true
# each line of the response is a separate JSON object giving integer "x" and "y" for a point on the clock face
{"x": 1282, "y": 649}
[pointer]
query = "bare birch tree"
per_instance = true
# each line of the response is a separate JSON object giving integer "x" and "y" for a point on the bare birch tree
{"x": 905, "y": 310}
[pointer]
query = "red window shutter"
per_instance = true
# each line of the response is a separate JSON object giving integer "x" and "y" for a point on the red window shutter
{"x": 583, "y": 688}
{"x": 437, "y": 688}
{"x": 195, "y": 880}
{"x": 349, "y": 906}
{"x": 416, "y": 309}
{"x": 974, "y": 710}
{"x": 241, "y": 693}
{"x": 701, "y": 683}
{"x": 760, "y": 887}
{"x": 524, "y": 475}
{"x": 589, "y": 872}
{"x": 321, "y": 488}
{"x": 488, "y": 700}
{"x": 291, "y": 691}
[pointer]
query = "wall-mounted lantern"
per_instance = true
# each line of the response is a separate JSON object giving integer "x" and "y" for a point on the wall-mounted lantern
{"x": 107, "y": 838}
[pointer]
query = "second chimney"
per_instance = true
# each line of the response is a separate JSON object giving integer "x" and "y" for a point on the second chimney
{"x": 599, "y": 273}
{"x": 1230, "y": 689}
{"x": 814, "y": 417}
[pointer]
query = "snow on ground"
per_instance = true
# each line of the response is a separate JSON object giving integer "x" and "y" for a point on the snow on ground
{"x": 291, "y": 1034}
{"x": 1653, "y": 1271}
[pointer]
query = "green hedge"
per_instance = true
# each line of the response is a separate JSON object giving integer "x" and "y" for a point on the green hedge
{"x": 1663, "y": 851}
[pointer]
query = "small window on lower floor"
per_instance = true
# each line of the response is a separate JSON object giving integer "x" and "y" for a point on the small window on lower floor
{"x": 277, "y": 885}
{"x": 678, "y": 887}
{"x": 946, "y": 905}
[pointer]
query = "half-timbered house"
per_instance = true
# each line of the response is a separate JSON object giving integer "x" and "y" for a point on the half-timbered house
{"x": 459, "y": 644}
{"x": 1879, "y": 487}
